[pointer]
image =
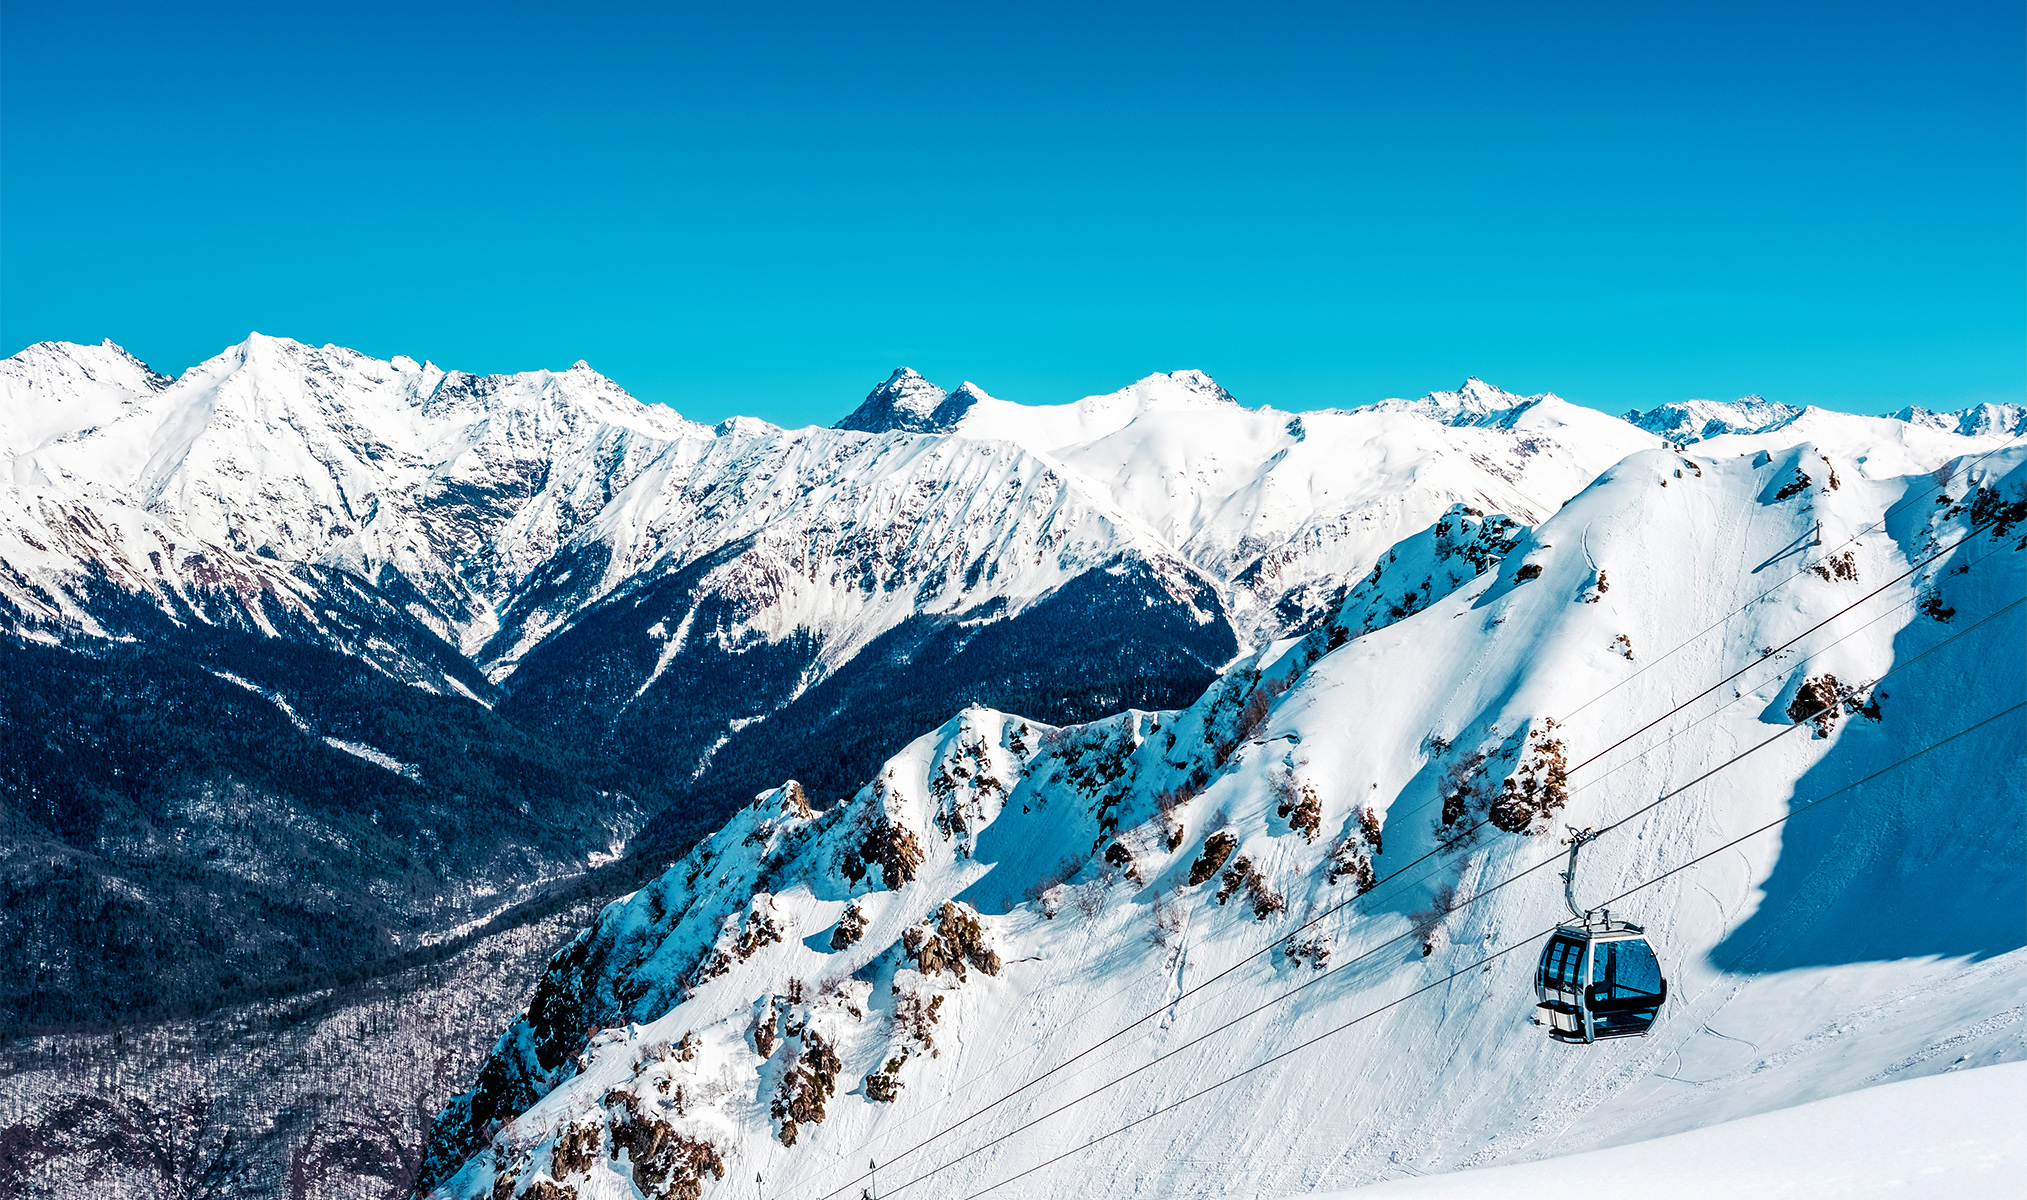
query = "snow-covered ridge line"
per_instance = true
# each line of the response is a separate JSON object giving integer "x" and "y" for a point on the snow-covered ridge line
{"x": 1955, "y": 1134}
{"x": 544, "y": 525}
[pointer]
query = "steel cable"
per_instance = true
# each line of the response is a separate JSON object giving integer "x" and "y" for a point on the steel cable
{"x": 1503, "y": 951}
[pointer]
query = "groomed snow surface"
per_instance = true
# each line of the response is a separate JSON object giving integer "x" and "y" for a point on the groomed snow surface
{"x": 1957, "y": 1136}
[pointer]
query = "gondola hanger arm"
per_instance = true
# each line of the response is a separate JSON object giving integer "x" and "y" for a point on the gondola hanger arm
{"x": 1575, "y": 841}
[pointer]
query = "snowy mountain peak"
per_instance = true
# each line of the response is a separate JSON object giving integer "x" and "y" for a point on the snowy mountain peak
{"x": 1982, "y": 420}
{"x": 906, "y": 402}
{"x": 1471, "y": 404}
{"x": 54, "y": 388}
{"x": 1684, "y": 421}
{"x": 46, "y": 365}
{"x": 1197, "y": 383}
{"x": 1003, "y": 897}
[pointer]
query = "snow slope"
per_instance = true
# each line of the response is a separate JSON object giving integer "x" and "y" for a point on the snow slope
{"x": 1282, "y": 507}
{"x": 1960, "y": 1135}
{"x": 809, "y": 989}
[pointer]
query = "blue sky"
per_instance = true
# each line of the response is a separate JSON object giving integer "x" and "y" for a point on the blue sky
{"x": 765, "y": 210}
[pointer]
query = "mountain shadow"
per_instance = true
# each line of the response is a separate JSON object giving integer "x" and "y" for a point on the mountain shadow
{"x": 1926, "y": 859}
{"x": 1108, "y": 640}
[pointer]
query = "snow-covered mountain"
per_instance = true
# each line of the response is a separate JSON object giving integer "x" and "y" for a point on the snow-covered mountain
{"x": 609, "y": 567}
{"x": 1981, "y": 420}
{"x": 1283, "y": 939}
{"x": 1176, "y": 630}
{"x": 1682, "y": 422}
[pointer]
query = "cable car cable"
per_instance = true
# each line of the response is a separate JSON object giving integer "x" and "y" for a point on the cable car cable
{"x": 1931, "y": 557}
{"x": 1613, "y": 825}
{"x": 1451, "y": 843}
{"x": 1346, "y": 965}
{"x": 1411, "y": 932}
{"x": 1873, "y": 527}
{"x": 1503, "y": 951}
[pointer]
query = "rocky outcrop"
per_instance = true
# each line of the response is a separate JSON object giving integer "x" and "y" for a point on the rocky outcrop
{"x": 955, "y": 938}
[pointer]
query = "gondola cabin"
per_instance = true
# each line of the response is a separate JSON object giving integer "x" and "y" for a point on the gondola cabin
{"x": 1599, "y": 979}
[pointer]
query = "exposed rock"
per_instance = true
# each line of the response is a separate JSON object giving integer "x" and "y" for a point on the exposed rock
{"x": 851, "y": 926}
{"x": 806, "y": 1086}
{"x": 895, "y": 850}
{"x": 1539, "y": 789}
{"x": 958, "y": 938}
{"x": 665, "y": 1162}
{"x": 576, "y": 1150}
{"x": 1217, "y": 848}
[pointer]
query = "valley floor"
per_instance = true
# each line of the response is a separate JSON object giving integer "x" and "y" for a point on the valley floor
{"x": 317, "y": 1096}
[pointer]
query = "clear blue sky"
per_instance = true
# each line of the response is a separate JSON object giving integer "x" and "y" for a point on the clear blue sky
{"x": 763, "y": 208}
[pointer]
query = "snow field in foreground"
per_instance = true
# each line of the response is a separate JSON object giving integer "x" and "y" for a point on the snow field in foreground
{"x": 1962, "y": 1135}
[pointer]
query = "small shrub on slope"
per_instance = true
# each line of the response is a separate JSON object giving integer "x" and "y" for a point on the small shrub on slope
{"x": 1265, "y": 900}
{"x": 1348, "y": 857}
{"x": 1299, "y": 806}
{"x": 806, "y": 1085}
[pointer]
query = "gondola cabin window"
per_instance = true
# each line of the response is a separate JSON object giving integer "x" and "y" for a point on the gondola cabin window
{"x": 1626, "y": 971}
{"x": 1560, "y": 966}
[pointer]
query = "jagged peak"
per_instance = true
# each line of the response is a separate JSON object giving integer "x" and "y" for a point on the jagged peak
{"x": 57, "y": 371}
{"x": 1685, "y": 421}
{"x": 1470, "y": 404}
{"x": 1979, "y": 420}
{"x": 579, "y": 383}
{"x": 93, "y": 360}
{"x": 1198, "y": 383}
{"x": 906, "y": 402}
